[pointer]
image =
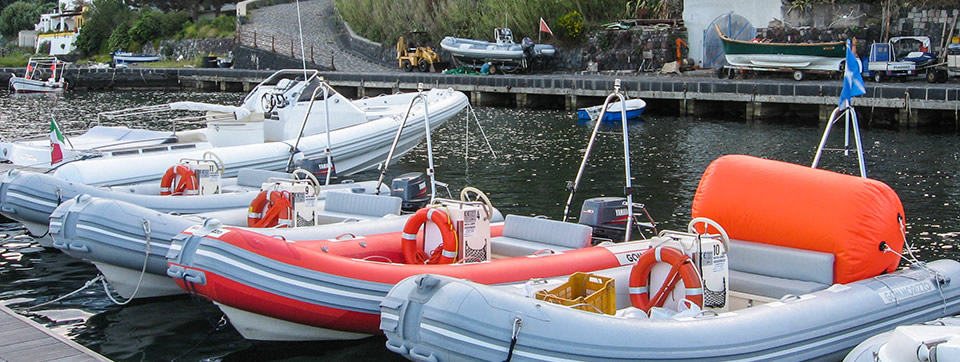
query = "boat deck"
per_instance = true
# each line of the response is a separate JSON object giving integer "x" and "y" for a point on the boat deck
{"x": 24, "y": 340}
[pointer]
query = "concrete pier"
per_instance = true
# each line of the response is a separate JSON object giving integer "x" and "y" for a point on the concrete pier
{"x": 907, "y": 104}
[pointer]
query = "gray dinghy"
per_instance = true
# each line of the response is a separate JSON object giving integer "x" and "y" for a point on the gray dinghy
{"x": 129, "y": 243}
{"x": 30, "y": 197}
{"x": 439, "y": 318}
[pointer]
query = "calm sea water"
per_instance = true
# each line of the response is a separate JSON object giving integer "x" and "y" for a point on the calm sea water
{"x": 536, "y": 153}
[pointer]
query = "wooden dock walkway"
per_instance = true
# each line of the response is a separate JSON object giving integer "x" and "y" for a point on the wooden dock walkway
{"x": 22, "y": 339}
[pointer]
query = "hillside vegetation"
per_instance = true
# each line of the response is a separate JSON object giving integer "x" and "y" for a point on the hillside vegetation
{"x": 385, "y": 21}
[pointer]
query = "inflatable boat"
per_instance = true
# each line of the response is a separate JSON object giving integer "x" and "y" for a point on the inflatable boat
{"x": 812, "y": 271}
{"x": 325, "y": 289}
{"x": 279, "y": 126}
{"x": 30, "y": 197}
{"x": 936, "y": 340}
{"x": 504, "y": 53}
{"x": 129, "y": 243}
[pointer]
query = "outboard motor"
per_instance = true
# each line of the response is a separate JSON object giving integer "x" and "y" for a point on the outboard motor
{"x": 412, "y": 188}
{"x": 317, "y": 166}
{"x": 607, "y": 216}
{"x": 527, "y": 46}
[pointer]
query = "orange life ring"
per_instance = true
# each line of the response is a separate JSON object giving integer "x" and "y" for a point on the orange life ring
{"x": 682, "y": 267}
{"x": 179, "y": 180}
{"x": 270, "y": 208}
{"x": 445, "y": 253}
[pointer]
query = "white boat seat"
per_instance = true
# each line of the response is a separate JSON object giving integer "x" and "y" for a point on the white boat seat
{"x": 252, "y": 177}
{"x": 774, "y": 271}
{"x": 524, "y": 235}
{"x": 360, "y": 206}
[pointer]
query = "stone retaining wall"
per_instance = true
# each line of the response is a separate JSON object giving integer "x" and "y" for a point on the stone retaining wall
{"x": 189, "y": 48}
{"x": 245, "y": 57}
{"x": 627, "y": 49}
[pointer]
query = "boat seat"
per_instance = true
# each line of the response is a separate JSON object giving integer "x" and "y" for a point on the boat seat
{"x": 252, "y": 177}
{"x": 349, "y": 205}
{"x": 774, "y": 271}
{"x": 525, "y": 235}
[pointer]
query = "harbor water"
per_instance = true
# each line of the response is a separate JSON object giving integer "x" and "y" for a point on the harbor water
{"x": 534, "y": 154}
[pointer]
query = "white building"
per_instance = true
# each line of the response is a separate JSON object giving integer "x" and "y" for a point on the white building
{"x": 699, "y": 14}
{"x": 61, "y": 27}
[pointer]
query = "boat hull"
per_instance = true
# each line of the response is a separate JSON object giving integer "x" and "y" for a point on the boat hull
{"x": 355, "y": 149}
{"x": 461, "y": 320}
{"x": 22, "y": 85}
{"x": 634, "y": 109}
{"x": 806, "y": 56}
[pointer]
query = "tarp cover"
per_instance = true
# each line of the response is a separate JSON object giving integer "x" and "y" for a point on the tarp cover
{"x": 238, "y": 112}
{"x": 784, "y": 204}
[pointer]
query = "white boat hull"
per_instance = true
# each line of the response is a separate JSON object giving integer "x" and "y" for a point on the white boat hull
{"x": 262, "y": 328}
{"x": 22, "y": 85}
{"x": 128, "y": 282}
{"x": 779, "y": 61}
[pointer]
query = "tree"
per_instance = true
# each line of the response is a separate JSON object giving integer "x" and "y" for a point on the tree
{"x": 102, "y": 18}
{"x": 21, "y": 15}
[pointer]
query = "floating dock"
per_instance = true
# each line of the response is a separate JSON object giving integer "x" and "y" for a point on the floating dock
{"x": 22, "y": 339}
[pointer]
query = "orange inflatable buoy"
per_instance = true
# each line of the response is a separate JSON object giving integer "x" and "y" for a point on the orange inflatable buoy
{"x": 445, "y": 253}
{"x": 179, "y": 180}
{"x": 795, "y": 206}
{"x": 269, "y": 209}
{"x": 682, "y": 267}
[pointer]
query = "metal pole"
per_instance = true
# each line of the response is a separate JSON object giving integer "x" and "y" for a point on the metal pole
{"x": 303, "y": 56}
{"x": 326, "y": 115}
{"x": 303, "y": 125}
{"x": 396, "y": 140}
{"x": 628, "y": 188}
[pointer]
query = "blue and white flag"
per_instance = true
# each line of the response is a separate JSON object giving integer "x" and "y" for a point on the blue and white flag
{"x": 852, "y": 80}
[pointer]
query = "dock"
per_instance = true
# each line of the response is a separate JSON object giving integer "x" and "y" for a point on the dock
{"x": 906, "y": 104}
{"x": 22, "y": 339}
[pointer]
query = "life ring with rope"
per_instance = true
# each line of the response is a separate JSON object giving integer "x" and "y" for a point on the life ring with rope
{"x": 682, "y": 267}
{"x": 179, "y": 180}
{"x": 445, "y": 253}
{"x": 270, "y": 208}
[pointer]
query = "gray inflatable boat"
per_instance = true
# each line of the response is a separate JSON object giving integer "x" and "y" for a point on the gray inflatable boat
{"x": 436, "y": 318}
{"x": 30, "y": 197}
{"x": 129, "y": 243}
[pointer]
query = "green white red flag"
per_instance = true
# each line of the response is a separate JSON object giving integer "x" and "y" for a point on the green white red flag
{"x": 56, "y": 143}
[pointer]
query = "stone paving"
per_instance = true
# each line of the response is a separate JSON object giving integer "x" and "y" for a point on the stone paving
{"x": 281, "y": 20}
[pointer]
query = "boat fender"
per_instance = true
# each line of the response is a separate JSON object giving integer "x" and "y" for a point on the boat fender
{"x": 445, "y": 253}
{"x": 270, "y": 208}
{"x": 681, "y": 264}
{"x": 179, "y": 180}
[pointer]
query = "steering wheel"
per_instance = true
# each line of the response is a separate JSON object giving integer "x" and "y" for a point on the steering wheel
{"x": 692, "y": 228}
{"x": 309, "y": 176}
{"x": 267, "y": 102}
{"x": 216, "y": 159}
{"x": 473, "y": 194}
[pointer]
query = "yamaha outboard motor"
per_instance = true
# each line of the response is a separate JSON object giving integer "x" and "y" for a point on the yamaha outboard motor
{"x": 412, "y": 188}
{"x": 607, "y": 216}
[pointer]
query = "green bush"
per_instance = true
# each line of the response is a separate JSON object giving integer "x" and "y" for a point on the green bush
{"x": 120, "y": 38}
{"x": 571, "y": 25}
{"x": 220, "y": 27}
{"x": 102, "y": 18}
{"x": 148, "y": 28}
{"x": 21, "y": 15}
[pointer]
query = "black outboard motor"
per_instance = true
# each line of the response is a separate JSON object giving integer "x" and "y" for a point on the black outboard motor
{"x": 527, "y": 45}
{"x": 412, "y": 188}
{"x": 607, "y": 216}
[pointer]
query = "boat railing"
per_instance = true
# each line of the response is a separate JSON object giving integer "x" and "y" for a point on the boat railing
{"x": 273, "y": 79}
{"x": 628, "y": 188}
{"x": 849, "y": 115}
{"x": 327, "y": 89}
{"x": 420, "y": 96}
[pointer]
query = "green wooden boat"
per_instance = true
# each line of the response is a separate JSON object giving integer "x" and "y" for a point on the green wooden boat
{"x": 805, "y": 56}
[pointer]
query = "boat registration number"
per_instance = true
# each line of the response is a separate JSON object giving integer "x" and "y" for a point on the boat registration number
{"x": 893, "y": 294}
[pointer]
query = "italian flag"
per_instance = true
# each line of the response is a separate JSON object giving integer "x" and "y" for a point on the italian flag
{"x": 56, "y": 143}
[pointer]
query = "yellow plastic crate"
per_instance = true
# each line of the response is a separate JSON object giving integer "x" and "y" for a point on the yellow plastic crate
{"x": 583, "y": 291}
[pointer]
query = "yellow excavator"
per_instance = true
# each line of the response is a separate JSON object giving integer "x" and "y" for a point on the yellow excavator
{"x": 420, "y": 58}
